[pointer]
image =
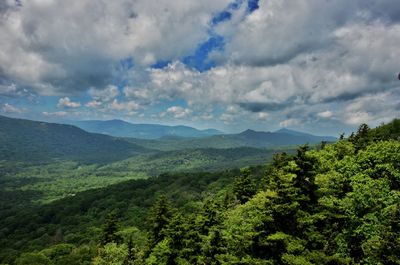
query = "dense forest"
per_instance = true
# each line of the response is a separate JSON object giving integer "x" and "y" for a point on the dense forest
{"x": 48, "y": 161}
{"x": 199, "y": 132}
{"x": 338, "y": 203}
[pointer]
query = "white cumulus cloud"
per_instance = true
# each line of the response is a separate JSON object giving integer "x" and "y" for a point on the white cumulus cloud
{"x": 177, "y": 112}
{"x": 7, "y": 108}
{"x": 66, "y": 102}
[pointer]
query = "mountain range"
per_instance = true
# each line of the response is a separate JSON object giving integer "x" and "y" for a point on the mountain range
{"x": 120, "y": 128}
{"x": 26, "y": 140}
{"x": 248, "y": 138}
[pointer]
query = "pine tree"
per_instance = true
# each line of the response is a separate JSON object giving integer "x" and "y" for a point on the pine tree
{"x": 130, "y": 258}
{"x": 305, "y": 172}
{"x": 208, "y": 217}
{"x": 244, "y": 187}
{"x": 110, "y": 230}
{"x": 280, "y": 159}
{"x": 362, "y": 137}
{"x": 158, "y": 219}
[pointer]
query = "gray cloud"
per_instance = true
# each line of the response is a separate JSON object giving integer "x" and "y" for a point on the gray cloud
{"x": 10, "y": 109}
{"x": 57, "y": 47}
{"x": 360, "y": 61}
{"x": 281, "y": 30}
{"x": 259, "y": 107}
{"x": 289, "y": 63}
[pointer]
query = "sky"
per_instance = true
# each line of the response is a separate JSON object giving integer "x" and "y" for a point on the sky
{"x": 318, "y": 66}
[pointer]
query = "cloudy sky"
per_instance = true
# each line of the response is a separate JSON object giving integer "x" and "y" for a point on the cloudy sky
{"x": 314, "y": 65}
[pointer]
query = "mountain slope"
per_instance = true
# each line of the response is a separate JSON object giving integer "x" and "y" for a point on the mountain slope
{"x": 248, "y": 138}
{"x": 25, "y": 140}
{"x": 297, "y": 133}
{"x": 284, "y": 137}
{"x": 190, "y": 160}
{"x": 121, "y": 128}
{"x": 309, "y": 207}
{"x": 52, "y": 181}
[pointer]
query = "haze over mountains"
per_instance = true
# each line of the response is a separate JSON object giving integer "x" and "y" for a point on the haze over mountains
{"x": 120, "y": 128}
{"x": 147, "y": 132}
{"x": 58, "y": 177}
{"x": 53, "y": 155}
{"x": 63, "y": 159}
{"x": 25, "y": 140}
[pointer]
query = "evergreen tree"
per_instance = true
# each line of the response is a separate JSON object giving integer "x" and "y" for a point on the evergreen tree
{"x": 322, "y": 145}
{"x": 281, "y": 159}
{"x": 305, "y": 172}
{"x": 244, "y": 187}
{"x": 362, "y": 137}
{"x": 110, "y": 230}
{"x": 158, "y": 219}
{"x": 130, "y": 258}
{"x": 212, "y": 246}
{"x": 183, "y": 238}
{"x": 208, "y": 216}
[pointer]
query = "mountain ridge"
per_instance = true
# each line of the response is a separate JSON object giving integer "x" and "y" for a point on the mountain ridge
{"x": 26, "y": 140}
{"x": 121, "y": 128}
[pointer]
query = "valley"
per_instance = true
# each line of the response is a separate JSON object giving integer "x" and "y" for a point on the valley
{"x": 59, "y": 211}
{"x": 212, "y": 132}
{"x": 58, "y": 160}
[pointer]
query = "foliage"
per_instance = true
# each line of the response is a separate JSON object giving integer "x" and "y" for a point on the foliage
{"x": 80, "y": 218}
{"x": 158, "y": 219}
{"x": 244, "y": 187}
{"x": 283, "y": 139}
{"x": 339, "y": 204}
{"x": 47, "y": 182}
{"x": 111, "y": 254}
{"x": 20, "y": 139}
{"x": 110, "y": 230}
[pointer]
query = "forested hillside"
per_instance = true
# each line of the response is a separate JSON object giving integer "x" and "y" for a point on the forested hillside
{"x": 121, "y": 128}
{"x": 33, "y": 141}
{"x": 199, "y": 132}
{"x": 248, "y": 138}
{"x": 48, "y": 161}
{"x": 337, "y": 204}
{"x": 44, "y": 183}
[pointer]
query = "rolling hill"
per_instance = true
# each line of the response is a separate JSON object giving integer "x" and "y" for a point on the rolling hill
{"x": 280, "y": 139}
{"x": 347, "y": 189}
{"x": 120, "y": 128}
{"x": 26, "y": 140}
{"x": 190, "y": 160}
{"x": 55, "y": 160}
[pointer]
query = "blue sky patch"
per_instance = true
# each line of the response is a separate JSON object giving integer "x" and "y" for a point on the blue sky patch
{"x": 161, "y": 64}
{"x": 221, "y": 17}
{"x": 200, "y": 60}
{"x": 235, "y": 5}
{"x": 252, "y": 5}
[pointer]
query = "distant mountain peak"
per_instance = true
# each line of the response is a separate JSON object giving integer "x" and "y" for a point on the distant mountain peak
{"x": 249, "y": 132}
{"x": 297, "y": 133}
{"x": 121, "y": 128}
{"x": 285, "y": 130}
{"x": 290, "y": 131}
{"x": 283, "y": 136}
{"x": 116, "y": 120}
